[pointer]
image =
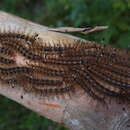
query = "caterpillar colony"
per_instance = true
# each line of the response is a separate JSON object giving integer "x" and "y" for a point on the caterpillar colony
{"x": 101, "y": 71}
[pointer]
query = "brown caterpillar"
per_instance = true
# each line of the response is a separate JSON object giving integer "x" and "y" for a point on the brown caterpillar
{"x": 6, "y": 61}
{"x": 18, "y": 36}
{"x": 50, "y": 71}
{"x": 43, "y": 82}
{"x": 116, "y": 70}
{"x": 15, "y": 70}
{"x": 53, "y": 91}
{"x": 6, "y": 52}
{"x": 22, "y": 50}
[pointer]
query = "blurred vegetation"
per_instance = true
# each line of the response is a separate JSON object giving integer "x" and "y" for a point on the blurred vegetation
{"x": 76, "y": 13}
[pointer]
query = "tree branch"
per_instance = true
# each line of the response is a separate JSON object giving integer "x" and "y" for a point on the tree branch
{"x": 78, "y": 111}
{"x": 78, "y": 30}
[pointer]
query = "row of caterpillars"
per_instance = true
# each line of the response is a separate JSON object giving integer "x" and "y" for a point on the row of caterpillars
{"x": 32, "y": 77}
{"x": 100, "y": 70}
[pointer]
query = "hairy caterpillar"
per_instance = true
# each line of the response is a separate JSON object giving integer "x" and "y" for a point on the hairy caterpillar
{"x": 6, "y": 61}
{"x": 6, "y": 51}
{"x": 17, "y": 36}
{"x": 50, "y": 71}
{"x": 15, "y": 70}
{"x": 52, "y": 91}
{"x": 43, "y": 81}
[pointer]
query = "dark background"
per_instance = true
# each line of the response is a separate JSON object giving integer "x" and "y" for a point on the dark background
{"x": 55, "y": 13}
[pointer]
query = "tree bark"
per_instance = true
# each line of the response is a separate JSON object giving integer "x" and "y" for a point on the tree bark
{"x": 78, "y": 111}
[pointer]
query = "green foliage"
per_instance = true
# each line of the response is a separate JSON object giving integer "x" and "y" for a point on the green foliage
{"x": 15, "y": 117}
{"x": 76, "y": 13}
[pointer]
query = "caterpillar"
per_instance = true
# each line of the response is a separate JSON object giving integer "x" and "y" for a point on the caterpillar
{"x": 21, "y": 49}
{"x": 43, "y": 82}
{"x": 15, "y": 70}
{"x": 52, "y": 91}
{"x": 50, "y": 71}
{"x": 115, "y": 70}
{"x": 6, "y": 61}
{"x": 5, "y": 52}
{"x": 18, "y": 36}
